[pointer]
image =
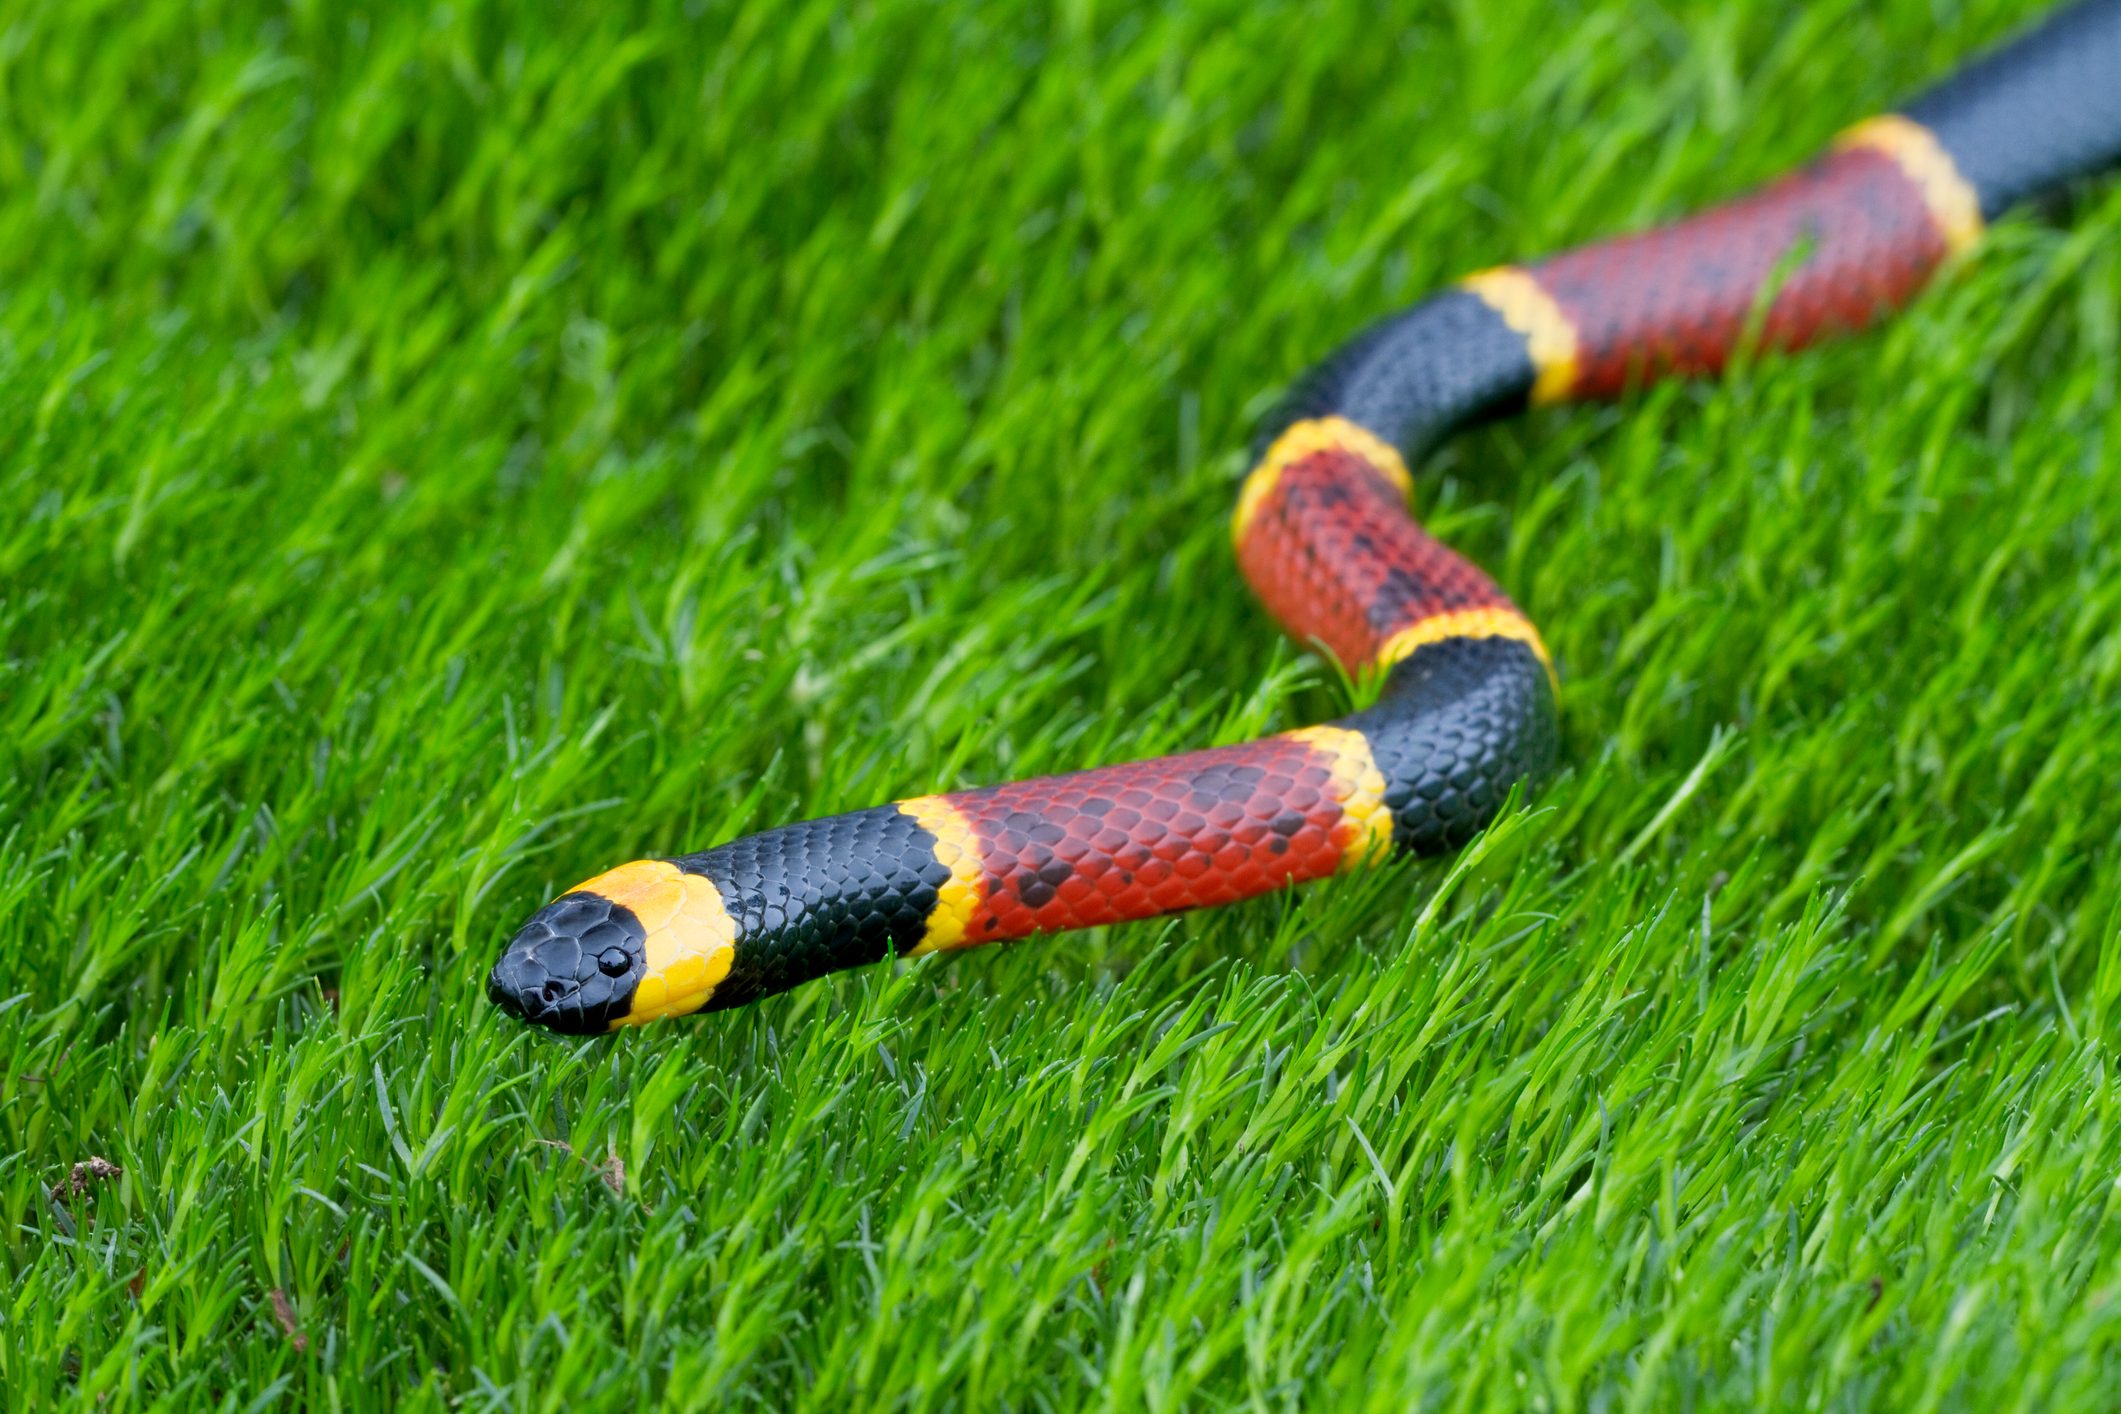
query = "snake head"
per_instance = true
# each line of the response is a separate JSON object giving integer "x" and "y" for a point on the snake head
{"x": 643, "y": 941}
{"x": 574, "y": 966}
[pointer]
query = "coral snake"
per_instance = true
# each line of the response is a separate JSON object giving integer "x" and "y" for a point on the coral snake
{"x": 1322, "y": 532}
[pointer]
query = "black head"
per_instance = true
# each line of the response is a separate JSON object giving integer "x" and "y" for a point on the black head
{"x": 573, "y": 967}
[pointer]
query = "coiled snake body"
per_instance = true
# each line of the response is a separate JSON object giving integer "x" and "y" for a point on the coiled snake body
{"x": 1323, "y": 534}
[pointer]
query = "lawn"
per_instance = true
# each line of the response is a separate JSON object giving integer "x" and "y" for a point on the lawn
{"x": 444, "y": 453}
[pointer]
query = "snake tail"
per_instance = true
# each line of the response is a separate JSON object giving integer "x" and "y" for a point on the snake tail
{"x": 1322, "y": 531}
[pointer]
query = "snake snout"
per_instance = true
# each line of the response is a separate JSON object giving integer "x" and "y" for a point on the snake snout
{"x": 573, "y": 967}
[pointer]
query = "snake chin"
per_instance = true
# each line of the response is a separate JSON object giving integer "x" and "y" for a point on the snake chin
{"x": 574, "y": 967}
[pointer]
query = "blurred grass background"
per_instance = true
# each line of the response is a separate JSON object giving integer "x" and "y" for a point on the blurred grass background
{"x": 447, "y": 451}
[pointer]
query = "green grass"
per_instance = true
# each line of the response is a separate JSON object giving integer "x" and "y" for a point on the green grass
{"x": 444, "y": 454}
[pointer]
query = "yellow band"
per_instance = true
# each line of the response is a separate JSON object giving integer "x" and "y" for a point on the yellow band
{"x": 1358, "y": 786}
{"x": 1308, "y": 438}
{"x": 1951, "y": 199}
{"x": 691, "y": 937}
{"x": 1550, "y": 338}
{"x": 957, "y": 848}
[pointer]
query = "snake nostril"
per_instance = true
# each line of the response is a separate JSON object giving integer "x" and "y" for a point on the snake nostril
{"x": 551, "y": 991}
{"x": 613, "y": 961}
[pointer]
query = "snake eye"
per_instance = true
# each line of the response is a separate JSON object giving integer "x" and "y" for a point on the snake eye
{"x": 613, "y": 961}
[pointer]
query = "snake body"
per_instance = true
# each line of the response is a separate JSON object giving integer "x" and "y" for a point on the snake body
{"x": 1323, "y": 534}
